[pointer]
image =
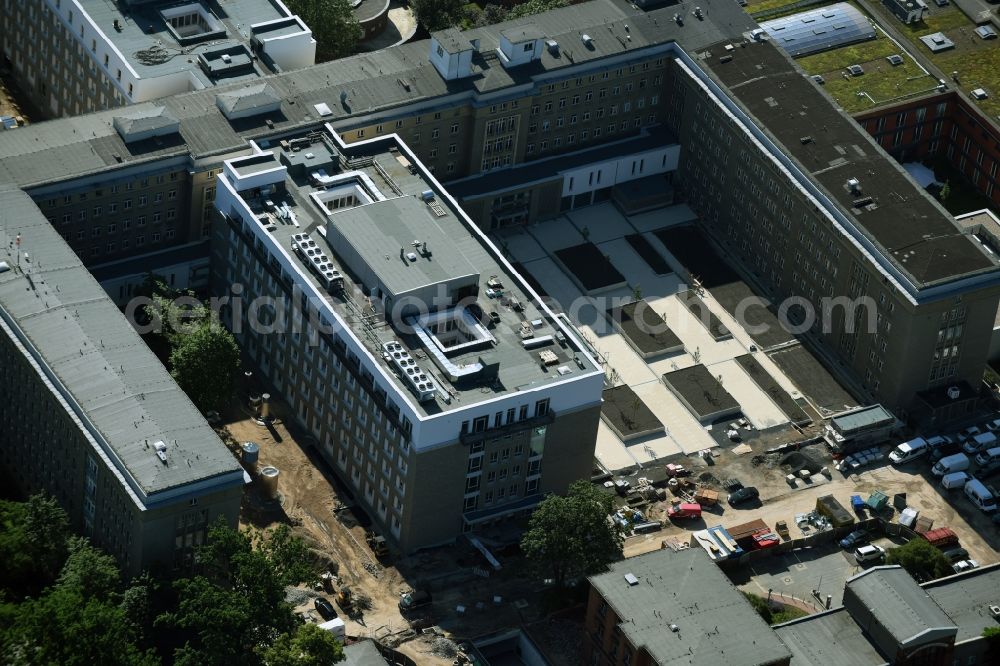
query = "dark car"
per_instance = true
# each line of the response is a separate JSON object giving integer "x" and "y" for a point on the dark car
{"x": 955, "y": 554}
{"x": 855, "y": 538}
{"x": 743, "y": 495}
{"x": 325, "y": 608}
{"x": 947, "y": 448}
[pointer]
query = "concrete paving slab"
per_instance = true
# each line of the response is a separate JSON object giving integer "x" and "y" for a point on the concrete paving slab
{"x": 610, "y": 451}
{"x": 623, "y": 364}
{"x": 555, "y": 234}
{"x": 681, "y": 426}
{"x": 638, "y": 272}
{"x": 756, "y": 406}
{"x": 603, "y": 222}
{"x": 521, "y": 245}
{"x": 557, "y": 285}
{"x": 664, "y": 217}
{"x": 695, "y": 336}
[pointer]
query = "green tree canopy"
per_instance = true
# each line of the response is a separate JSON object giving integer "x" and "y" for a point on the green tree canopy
{"x": 308, "y": 646}
{"x": 438, "y": 14}
{"x": 78, "y": 621}
{"x": 32, "y": 544}
{"x": 535, "y": 7}
{"x": 333, "y": 25}
{"x": 571, "y": 536}
{"x": 923, "y": 561}
{"x": 233, "y": 609}
{"x": 204, "y": 364}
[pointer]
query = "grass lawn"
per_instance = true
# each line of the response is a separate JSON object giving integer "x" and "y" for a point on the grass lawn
{"x": 881, "y": 81}
{"x": 940, "y": 19}
{"x": 977, "y": 69}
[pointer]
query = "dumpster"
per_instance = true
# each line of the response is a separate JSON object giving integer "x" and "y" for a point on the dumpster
{"x": 877, "y": 501}
{"x": 828, "y": 506}
{"x": 858, "y": 504}
{"x": 942, "y": 536}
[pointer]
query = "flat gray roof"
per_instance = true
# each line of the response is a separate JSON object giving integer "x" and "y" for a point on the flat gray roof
{"x": 828, "y": 639}
{"x": 913, "y": 231}
{"x": 900, "y": 605}
{"x": 966, "y": 598}
{"x": 53, "y": 151}
{"x": 101, "y": 362}
{"x": 862, "y": 418}
{"x": 716, "y": 625}
{"x": 379, "y": 229}
{"x": 518, "y": 368}
{"x": 143, "y": 32}
{"x": 363, "y": 653}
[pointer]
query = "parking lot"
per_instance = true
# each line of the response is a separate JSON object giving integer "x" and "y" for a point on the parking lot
{"x": 779, "y": 501}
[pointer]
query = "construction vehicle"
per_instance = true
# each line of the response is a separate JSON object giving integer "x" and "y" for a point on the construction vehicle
{"x": 345, "y": 600}
{"x": 377, "y": 543}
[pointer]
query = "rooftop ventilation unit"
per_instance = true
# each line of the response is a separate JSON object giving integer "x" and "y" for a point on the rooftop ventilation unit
{"x": 631, "y": 579}
{"x": 317, "y": 260}
{"x": 854, "y": 185}
{"x": 422, "y": 385}
{"x": 587, "y": 40}
{"x": 161, "y": 451}
{"x": 553, "y": 46}
{"x": 995, "y": 611}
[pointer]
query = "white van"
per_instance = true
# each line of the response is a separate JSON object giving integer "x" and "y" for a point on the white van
{"x": 980, "y": 496}
{"x": 908, "y": 451}
{"x": 980, "y": 442}
{"x": 954, "y": 480}
{"x": 988, "y": 456}
{"x": 958, "y": 462}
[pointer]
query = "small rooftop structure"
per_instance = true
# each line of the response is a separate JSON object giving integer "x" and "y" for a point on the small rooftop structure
{"x": 249, "y": 101}
{"x": 820, "y": 29}
{"x": 681, "y": 609}
{"x": 937, "y": 42}
{"x": 139, "y": 124}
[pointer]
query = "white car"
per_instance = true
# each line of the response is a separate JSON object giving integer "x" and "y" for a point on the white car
{"x": 869, "y": 554}
{"x": 965, "y": 565}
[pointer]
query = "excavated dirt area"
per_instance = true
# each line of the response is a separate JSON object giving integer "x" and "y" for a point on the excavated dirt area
{"x": 319, "y": 510}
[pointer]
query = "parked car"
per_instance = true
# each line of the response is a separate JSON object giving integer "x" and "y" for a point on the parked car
{"x": 955, "y": 554}
{"x": 869, "y": 554}
{"x": 973, "y": 445}
{"x": 743, "y": 495}
{"x": 684, "y": 510}
{"x": 325, "y": 608}
{"x": 855, "y": 538}
{"x": 965, "y": 565}
{"x": 970, "y": 432}
{"x": 947, "y": 448}
{"x": 987, "y": 470}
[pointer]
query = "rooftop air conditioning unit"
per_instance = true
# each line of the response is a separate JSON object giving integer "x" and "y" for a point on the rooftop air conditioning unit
{"x": 995, "y": 611}
{"x": 954, "y": 392}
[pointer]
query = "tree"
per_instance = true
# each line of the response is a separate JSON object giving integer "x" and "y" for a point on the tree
{"x": 205, "y": 364}
{"x": 78, "y": 621}
{"x": 308, "y": 646}
{"x": 437, "y": 14}
{"x": 333, "y": 25}
{"x": 923, "y": 561}
{"x": 571, "y": 536}
{"x": 234, "y": 607}
{"x": 535, "y": 7}
{"x": 945, "y": 191}
{"x": 992, "y": 636}
{"x": 32, "y": 544}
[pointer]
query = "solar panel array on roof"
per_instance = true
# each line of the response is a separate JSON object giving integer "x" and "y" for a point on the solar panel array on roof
{"x": 819, "y": 29}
